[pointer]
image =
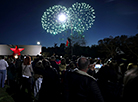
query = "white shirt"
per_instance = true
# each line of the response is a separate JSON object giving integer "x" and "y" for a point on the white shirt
{"x": 3, "y": 64}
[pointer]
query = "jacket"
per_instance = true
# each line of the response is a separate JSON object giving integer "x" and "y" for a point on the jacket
{"x": 81, "y": 87}
{"x": 50, "y": 86}
{"x": 130, "y": 90}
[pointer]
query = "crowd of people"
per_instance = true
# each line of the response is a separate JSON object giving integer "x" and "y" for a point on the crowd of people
{"x": 69, "y": 80}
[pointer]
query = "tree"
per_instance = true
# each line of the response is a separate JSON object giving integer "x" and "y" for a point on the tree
{"x": 62, "y": 49}
{"x": 132, "y": 45}
{"x": 76, "y": 39}
{"x": 127, "y": 45}
{"x": 108, "y": 46}
{"x": 95, "y": 51}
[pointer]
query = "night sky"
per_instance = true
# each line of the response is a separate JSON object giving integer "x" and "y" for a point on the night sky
{"x": 20, "y": 21}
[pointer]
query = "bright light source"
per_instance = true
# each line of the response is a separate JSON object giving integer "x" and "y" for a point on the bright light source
{"x": 38, "y": 43}
{"x": 62, "y": 17}
{"x": 16, "y": 56}
{"x": 60, "y": 56}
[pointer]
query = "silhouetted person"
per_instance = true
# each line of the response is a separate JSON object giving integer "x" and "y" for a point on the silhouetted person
{"x": 108, "y": 83}
{"x": 50, "y": 85}
{"x": 53, "y": 63}
{"x": 130, "y": 90}
{"x": 80, "y": 86}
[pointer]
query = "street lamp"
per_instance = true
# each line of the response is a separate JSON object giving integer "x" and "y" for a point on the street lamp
{"x": 38, "y": 43}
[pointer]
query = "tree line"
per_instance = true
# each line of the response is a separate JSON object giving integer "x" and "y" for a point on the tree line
{"x": 110, "y": 47}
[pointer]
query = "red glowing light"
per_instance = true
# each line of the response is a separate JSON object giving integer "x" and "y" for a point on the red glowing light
{"x": 16, "y": 50}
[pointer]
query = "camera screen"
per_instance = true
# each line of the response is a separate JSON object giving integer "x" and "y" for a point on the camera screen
{"x": 98, "y": 65}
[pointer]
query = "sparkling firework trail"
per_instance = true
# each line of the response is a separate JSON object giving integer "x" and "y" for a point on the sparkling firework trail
{"x": 79, "y": 17}
{"x": 50, "y": 21}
